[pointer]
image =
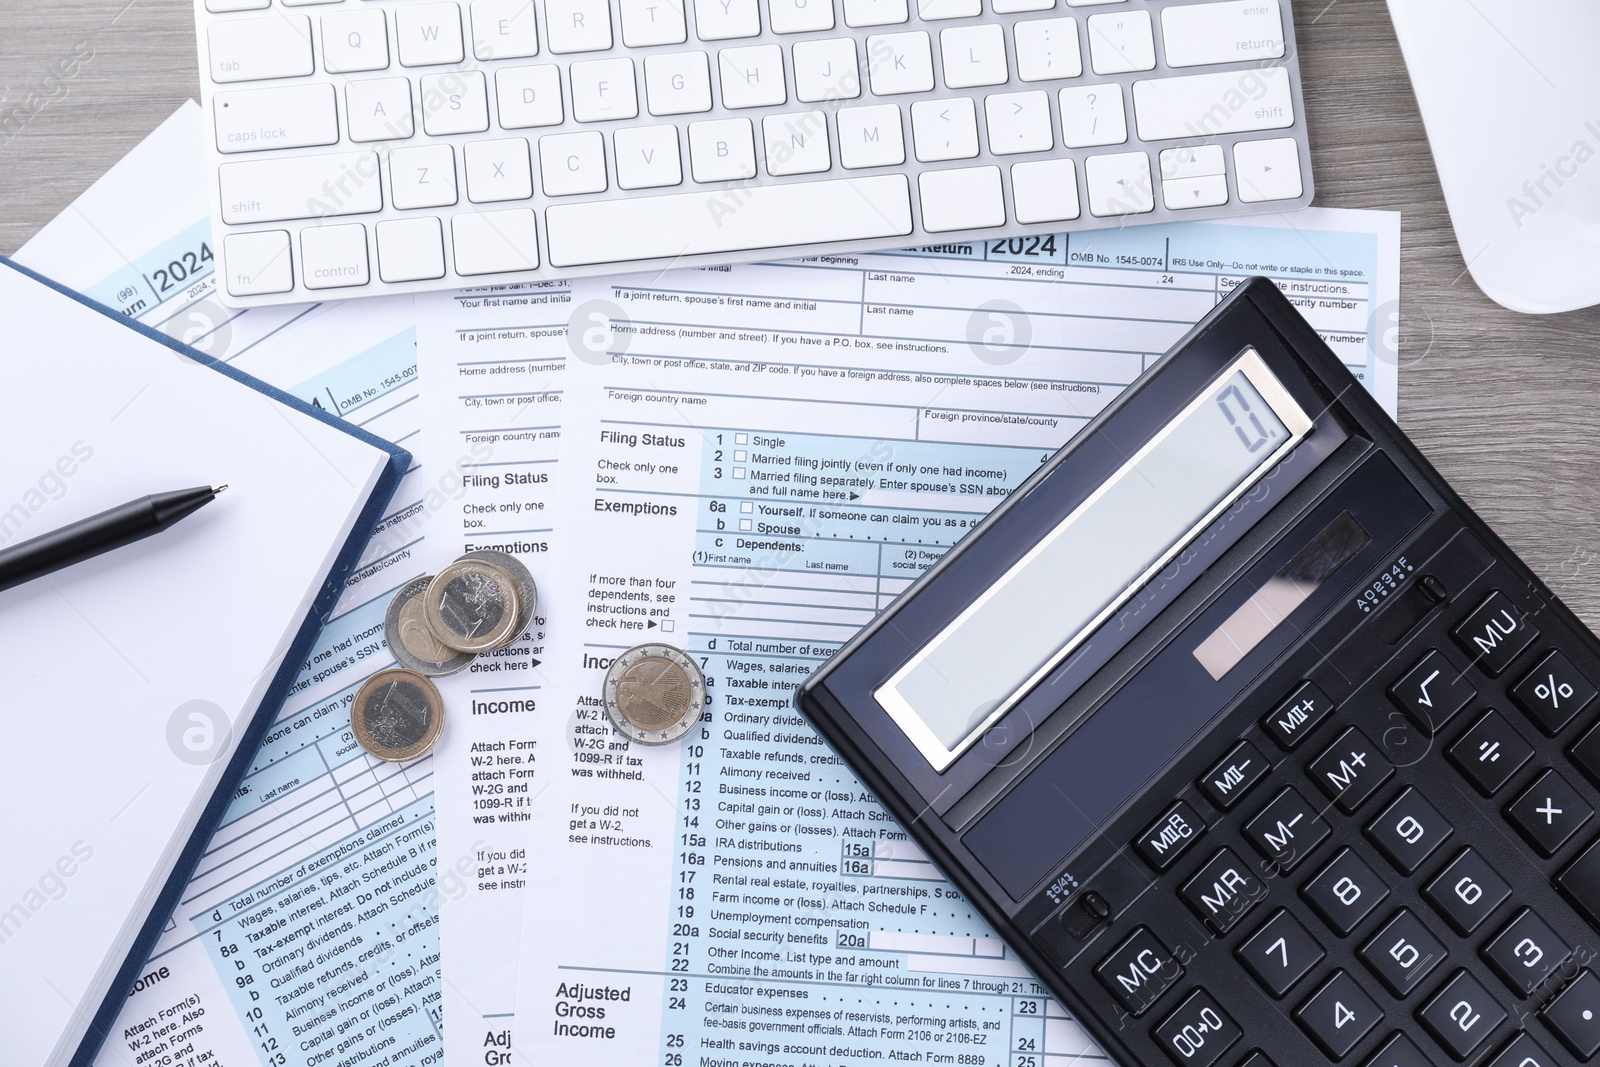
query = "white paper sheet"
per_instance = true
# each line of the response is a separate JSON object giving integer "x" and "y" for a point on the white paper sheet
{"x": 754, "y": 461}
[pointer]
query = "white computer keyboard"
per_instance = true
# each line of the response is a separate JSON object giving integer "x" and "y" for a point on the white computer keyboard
{"x": 364, "y": 147}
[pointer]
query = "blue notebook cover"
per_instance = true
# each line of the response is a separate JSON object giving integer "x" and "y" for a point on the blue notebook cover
{"x": 105, "y": 1014}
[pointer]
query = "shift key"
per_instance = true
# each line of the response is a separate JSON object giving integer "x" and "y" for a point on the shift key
{"x": 300, "y": 187}
{"x": 285, "y": 116}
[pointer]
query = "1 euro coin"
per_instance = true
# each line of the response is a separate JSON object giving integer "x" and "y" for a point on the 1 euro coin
{"x": 412, "y": 641}
{"x": 397, "y": 715}
{"x": 473, "y": 606}
{"x": 654, "y": 693}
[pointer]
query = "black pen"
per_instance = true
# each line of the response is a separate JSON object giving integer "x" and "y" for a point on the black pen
{"x": 80, "y": 540}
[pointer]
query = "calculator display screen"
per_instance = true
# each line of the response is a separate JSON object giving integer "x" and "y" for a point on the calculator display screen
{"x": 1080, "y": 571}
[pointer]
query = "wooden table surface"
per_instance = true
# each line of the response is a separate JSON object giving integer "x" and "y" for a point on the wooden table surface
{"x": 1502, "y": 403}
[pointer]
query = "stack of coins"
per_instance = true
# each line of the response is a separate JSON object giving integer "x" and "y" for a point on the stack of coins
{"x": 437, "y": 625}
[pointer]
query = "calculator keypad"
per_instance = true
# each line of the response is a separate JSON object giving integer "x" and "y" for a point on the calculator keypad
{"x": 1403, "y": 953}
{"x": 1139, "y": 970}
{"x": 1574, "y": 1016}
{"x": 1399, "y": 1051}
{"x": 1490, "y": 753}
{"x": 1409, "y": 830}
{"x": 1350, "y": 770}
{"x": 1301, "y": 713}
{"x": 1345, "y": 891}
{"x": 1467, "y": 891}
{"x": 1287, "y": 829}
{"x": 1553, "y": 692}
{"x": 1494, "y": 634}
{"x": 1222, "y": 891}
{"x": 1523, "y": 1051}
{"x": 1525, "y": 952}
{"x": 1338, "y": 1015}
{"x": 1234, "y": 774}
{"x": 1549, "y": 812}
{"x": 1170, "y": 836}
{"x": 1199, "y": 1032}
{"x": 1462, "y": 1015}
{"x": 1432, "y": 691}
{"x": 1280, "y": 953}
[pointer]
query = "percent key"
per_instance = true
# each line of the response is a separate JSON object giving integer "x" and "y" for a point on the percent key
{"x": 1553, "y": 692}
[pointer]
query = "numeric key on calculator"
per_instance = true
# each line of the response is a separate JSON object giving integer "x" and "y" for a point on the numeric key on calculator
{"x": 1525, "y": 952}
{"x": 1553, "y": 692}
{"x": 1574, "y": 1015}
{"x": 1350, "y": 770}
{"x": 1462, "y": 1015}
{"x": 1467, "y": 891}
{"x": 1432, "y": 691}
{"x": 1199, "y": 1032}
{"x": 1139, "y": 970}
{"x": 1408, "y": 830}
{"x": 1403, "y": 953}
{"x": 1495, "y": 633}
{"x": 1345, "y": 892}
{"x": 1280, "y": 953}
{"x": 1523, "y": 1051}
{"x": 1287, "y": 829}
{"x": 1399, "y": 1051}
{"x": 1490, "y": 753}
{"x": 1222, "y": 891}
{"x": 1549, "y": 812}
{"x": 1338, "y": 1015}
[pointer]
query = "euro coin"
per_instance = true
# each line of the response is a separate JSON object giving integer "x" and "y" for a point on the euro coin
{"x": 473, "y": 606}
{"x": 411, "y": 639}
{"x": 528, "y": 592}
{"x": 654, "y": 693}
{"x": 397, "y": 714}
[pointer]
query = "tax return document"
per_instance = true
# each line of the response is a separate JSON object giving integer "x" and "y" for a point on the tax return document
{"x": 309, "y": 933}
{"x": 755, "y": 460}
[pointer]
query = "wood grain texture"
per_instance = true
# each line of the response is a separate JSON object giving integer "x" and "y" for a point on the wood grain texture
{"x": 1502, "y": 403}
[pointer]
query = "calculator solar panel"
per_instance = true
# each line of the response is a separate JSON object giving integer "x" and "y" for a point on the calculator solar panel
{"x": 1248, "y": 735}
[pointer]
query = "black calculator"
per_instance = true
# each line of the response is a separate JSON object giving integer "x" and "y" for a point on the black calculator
{"x": 1248, "y": 735}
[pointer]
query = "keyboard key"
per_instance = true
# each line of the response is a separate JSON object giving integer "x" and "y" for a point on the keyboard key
{"x": 1549, "y": 812}
{"x": 1280, "y": 953}
{"x": 1180, "y": 193}
{"x": 1523, "y": 1051}
{"x": 1092, "y": 115}
{"x": 1525, "y": 952}
{"x": 603, "y": 89}
{"x": 1581, "y": 883}
{"x": 505, "y": 29}
{"x": 1196, "y": 105}
{"x": 775, "y": 216}
{"x": 1409, "y": 830}
{"x": 1467, "y": 891}
{"x": 1574, "y": 1016}
{"x": 572, "y": 163}
{"x": 858, "y": 13}
{"x": 938, "y": 10}
{"x": 258, "y": 263}
{"x": 959, "y": 199}
{"x": 578, "y": 25}
{"x": 1350, "y": 770}
{"x": 429, "y": 34}
{"x": 410, "y": 250}
{"x": 751, "y": 77}
{"x": 495, "y": 242}
{"x": 243, "y": 50}
{"x": 1018, "y": 122}
{"x": 1121, "y": 43}
{"x": 1011, "y": 7}
{"x": 1267, "y": 170}
{"x": 975, "y": 55}
{"x": 1345, "y": 892}
{"x": 1490, "y": 753}
{"x": 1199, "y": 1032}
{"x": 1553, "y": 692}
{"x": 334, "y": 257}
{"x": 1257, "y": 1059}
{"x": 526, "y": 97}
{"x": 1287, "y": 830}
{"x": 1305, "y": 708}
{"x": 1432, "y": 691}
{"x": 1119, "y": 184}
{"x": 647, "y": 157}
{"x": 677, "y": 83}
{"x": 498, "y": 171}
{"x": 1398, "y": 1051}
{"x": 899, "y": 63}
{"x": 1234, "y": 775}
{"x": 1494, "y": 634}
{"x": 1403, "y": 952}
{"x": 871, "y": 137}
{"x": 422, "y": 177}
{"x": 1222, "y": 891}
{"x": 1047, "y": 49}
{"x": 1045, "y": 190}
{"x": 297, "y": 187}
{"x": 650, "y": 22}
{"x": 1300, "y": 711}
{"x": 796, "y": 144}
{"x": 825, "y": 70}
{"x": 379, "y": 109}
{"x": 944, "y": 129}
{"x": 354, "y": 41}
{"x": 1338, "y": 1015}
{"x": 1462, "y": 1015}
{"x": 1199, "y": 34}
{"x": 800, "y": 16}
{"x": 1139, "y": 970}
{"x": 457, "y": 102}
{"x": 287, "y": 116}
{"x": 726, "y": 20}
{"x": 252, "y": 5}
{"x": 1170, "y": 835}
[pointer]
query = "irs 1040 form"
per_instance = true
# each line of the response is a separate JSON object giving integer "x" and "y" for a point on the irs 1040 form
{"x": 754, "y": 461}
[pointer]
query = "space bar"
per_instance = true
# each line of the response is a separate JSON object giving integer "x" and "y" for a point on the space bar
{"x": 737, "y": 220}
